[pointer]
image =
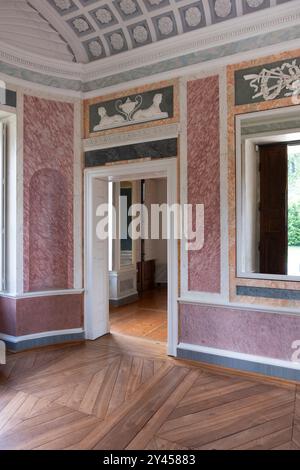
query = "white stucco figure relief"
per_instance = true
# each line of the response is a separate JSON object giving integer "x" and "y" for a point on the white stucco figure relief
{"x": 129, "y": 111}
{"x": 270, "y": 83}
{"x": 153, "y": 112}
{"x": 223, "y": 8}
{"x": 107, "y": 122}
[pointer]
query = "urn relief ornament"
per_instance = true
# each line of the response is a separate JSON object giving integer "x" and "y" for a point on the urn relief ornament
{"x": 130, "y": 111}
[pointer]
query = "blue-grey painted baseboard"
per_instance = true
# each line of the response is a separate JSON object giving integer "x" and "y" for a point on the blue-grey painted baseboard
{"x": 240, "y": 364}
{"x": 268, "y": 292}
{"x": 45, "y": 341}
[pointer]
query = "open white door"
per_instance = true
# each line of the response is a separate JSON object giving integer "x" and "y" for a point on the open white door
{"x": 96, "y": 266}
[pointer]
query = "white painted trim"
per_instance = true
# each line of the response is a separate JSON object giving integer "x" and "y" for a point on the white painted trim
{"x": 240, "y": 356}
{"x": 286, "y": 112}
{"x": 50, "y": 293}
{"x": 163, "y": 168}
{"x": 162, "y": 132}
{"x": 77, "y": 197}
{"x": 46, "y": 334}
{"x": 198, "y": 298}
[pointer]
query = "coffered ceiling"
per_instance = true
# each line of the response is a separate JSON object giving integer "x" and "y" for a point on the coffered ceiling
{"x": 90, "y": 30}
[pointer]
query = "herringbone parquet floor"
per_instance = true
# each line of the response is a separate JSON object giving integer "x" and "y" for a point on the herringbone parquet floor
{"x": 124, "y": 393}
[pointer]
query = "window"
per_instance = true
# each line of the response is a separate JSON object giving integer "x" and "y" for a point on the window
{"x": 268, "y": 196}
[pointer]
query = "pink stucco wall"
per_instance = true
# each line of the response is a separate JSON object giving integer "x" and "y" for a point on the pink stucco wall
{"x": 48, "y": 194}
{"x": 204, "y": 179}
{"x": 240, "y": 330}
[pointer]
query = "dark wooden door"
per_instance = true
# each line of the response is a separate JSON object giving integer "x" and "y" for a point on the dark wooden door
{"x": 273, "y": 208}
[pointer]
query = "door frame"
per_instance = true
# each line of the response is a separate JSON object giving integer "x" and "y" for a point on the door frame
{"x": 162, "y": 168}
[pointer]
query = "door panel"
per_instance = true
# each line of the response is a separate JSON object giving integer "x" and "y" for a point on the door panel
{"x": 98, "y": 279}
{"x": 273, "y": 208}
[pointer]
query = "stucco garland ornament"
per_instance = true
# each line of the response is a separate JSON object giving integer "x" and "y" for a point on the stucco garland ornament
{"x": 140, "y": 34}
{"x": 104, "y": 15}
{"x": 223, "y": 8}
{"x": 63, "y": 4}
{"x": 128, "y": 7}
{"x": 95, "y": 48}
{"x": 165, "y": 25}
{"x": 81, "y": 25}
{"x": 270, "y": 83}
{"x": 193, "y": 16}
{"x": 255, "y": 3}
{"x": 117, "y": 41}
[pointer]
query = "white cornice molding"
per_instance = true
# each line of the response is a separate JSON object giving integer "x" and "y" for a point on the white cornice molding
{"x": 149, "y": 134}
{"x": 30, "y": 61}
{"x": 277, "y": 18}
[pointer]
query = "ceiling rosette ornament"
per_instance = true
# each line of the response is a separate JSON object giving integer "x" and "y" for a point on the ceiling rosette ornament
{"x": 95, "y": 48}
{"x": 165, "y": 25}
{"x": 193, "y": 16}
{"x": 140, "y": 34}
{"x": 117, "y": 41}
{"x": 81, "y": 25}
{"x": 128, "y": 7}
{"x": 223, "y": 8}
{"x": 104, "y": 16}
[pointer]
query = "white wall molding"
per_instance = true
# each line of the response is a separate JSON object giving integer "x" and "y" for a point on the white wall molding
{"x": 240, "y": 356}
{"x": 149, "y": 134}
{"x": 47, "y": 293}
{"x": 216, "y": 300}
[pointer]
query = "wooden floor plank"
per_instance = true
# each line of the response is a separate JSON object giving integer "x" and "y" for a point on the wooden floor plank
{"x": 125, "y": 393}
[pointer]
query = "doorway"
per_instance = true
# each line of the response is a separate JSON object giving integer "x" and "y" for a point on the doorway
{"x": 96, "y": 260}
{"x": 138, "y": 266}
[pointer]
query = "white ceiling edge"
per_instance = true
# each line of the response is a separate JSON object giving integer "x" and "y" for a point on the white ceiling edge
{"x": 279, "y": 17}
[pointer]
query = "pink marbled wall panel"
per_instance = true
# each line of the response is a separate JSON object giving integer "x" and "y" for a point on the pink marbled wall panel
{"x": 245, "y": 331}
{"x": 204, "y": 179}
{"x": 48, "y": 194}
{"x": 8, "y": 316}
{"x": 40, "y": 314}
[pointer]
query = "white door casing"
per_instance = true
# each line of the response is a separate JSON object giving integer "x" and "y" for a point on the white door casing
{"x": 96, "y": 251}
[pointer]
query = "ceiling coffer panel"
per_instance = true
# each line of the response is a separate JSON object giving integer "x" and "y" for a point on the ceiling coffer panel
{"x": 90, "y": 30}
